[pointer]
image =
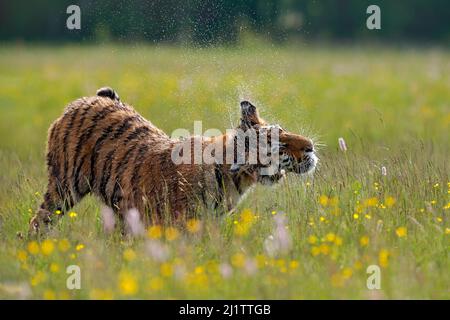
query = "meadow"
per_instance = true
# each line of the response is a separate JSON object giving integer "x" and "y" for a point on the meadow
{"x": 384, "y": 201}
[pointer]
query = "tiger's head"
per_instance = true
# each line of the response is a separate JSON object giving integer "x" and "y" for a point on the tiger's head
{"x": 268, "y": 150}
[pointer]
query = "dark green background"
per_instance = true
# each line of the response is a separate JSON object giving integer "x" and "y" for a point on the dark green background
{"x": 222, "y": 22}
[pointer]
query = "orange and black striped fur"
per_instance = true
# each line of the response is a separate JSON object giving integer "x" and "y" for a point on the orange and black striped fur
{"x": 104, "y": 147}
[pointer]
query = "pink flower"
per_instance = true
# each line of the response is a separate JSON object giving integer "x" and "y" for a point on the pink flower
{"x": 109, "y": 220}
{"x": 226, "y": 270}
{"x": 158, "y": 251}
{"x": 133, "y": 220}
{"x": 180, "y": 271}
{"x": 250, "y": 266}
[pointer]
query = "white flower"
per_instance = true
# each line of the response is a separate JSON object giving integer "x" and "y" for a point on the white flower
{"x": 342, "y": 144}
{"x": 280, "y": 241}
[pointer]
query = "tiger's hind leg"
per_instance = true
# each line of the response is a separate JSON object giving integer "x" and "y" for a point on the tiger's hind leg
{"x": 57, "y": 201}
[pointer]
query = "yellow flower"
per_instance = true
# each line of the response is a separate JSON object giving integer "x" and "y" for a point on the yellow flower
{"x": 128, "y": 284}
{"x": 383, "y": 257}
{"x": 323, "y": 200}
{"x": 193, "y": 225}
{"x": 347, "y": 273}
{"x": 436, "y": 185}
{"x": 129, "y": 255}
{"x": 324, "y": 249}
{"x": 154, "y": 232}
{"x": 199, "y": 270}
{"x": 54, "y": 267}
{"x": 38, "y": 278}
{"x": 22, "y": 255}
{"x": 401, "y": 232}
{"x": 247, "y": 216}
{"x": 166, "y": 270}
{"x": 245, "y": 222}
{"x": 312, "y": 239}
{"x": 439, "y": 219}
{"x": 358, "y": 265}
{"x": 58, "y": 212}
{"x": 47, "y": 247}
{"x": 389, "y": 201}
{"x": 79, "y": 247}
{"x": 355, "y": 216}
{"x": 63, "y": 245}
{"x": 447, "y": 230}
{"x": 72, "y": 214}
{"x": 274, "y": 212}
{"x": 368, "y": 216}
{"x": 241, "y": 229}
{"x": 238, "y": 260}
{"x": 172, "y": 234}
{"x": 338, "y": 241}
{"x": 330, "y": 237}
{"x": 33, "y": 248}
{"x": 315, "y": 251}
{"x": 371, "y": 202}
{"x": 49, "y": 295}
{"x": 322, "y": 219}
{"x": 156, "y": 284}
{"x": 247, "y": 219}
{"x": 293, "y": 264}
{"x": 364, "y": 241}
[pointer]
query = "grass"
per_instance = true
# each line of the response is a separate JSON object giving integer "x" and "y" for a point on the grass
{"x": 390, "y": 105}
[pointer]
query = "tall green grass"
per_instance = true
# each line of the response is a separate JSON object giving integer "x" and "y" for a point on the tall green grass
{"x": 392, "y": 106}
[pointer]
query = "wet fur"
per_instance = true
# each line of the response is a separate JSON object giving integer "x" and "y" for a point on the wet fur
{"x": 104, "y": 147}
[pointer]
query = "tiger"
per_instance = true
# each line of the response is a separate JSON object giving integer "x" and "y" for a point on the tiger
{"x": 102, "y": 146}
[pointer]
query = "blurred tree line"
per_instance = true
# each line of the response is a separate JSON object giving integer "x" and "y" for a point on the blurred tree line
{"x": 205, "y": 22}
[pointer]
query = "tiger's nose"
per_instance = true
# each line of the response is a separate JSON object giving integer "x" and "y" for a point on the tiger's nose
{"x": 309, "y": 147}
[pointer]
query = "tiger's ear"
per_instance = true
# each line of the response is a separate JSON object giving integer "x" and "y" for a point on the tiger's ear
{"x": 249, "y": 115}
